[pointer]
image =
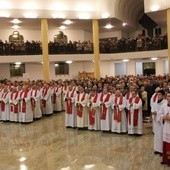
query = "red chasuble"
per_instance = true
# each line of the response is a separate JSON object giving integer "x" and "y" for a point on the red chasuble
{"x": 69, "y": 104}
{"x": 23, "y": 107}
{"x": 2, "y": 103}
{"x": 136, "y": 112}
{"x": 92, "y": 111}
{"x": 80, "y": 107}
{"x": 14, "y": 108}
{"x": 103, "y": 109}
{"x": 117, "y": 112}
{"x": 128, "y": 96}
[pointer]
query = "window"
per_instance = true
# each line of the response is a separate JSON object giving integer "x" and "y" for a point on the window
{"x": 17, "y": 70}
{"x": 61, "y": 68}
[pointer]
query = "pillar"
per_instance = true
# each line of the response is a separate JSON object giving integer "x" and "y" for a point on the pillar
{"x": 168, "y": 31}
{"x": 44, "y": 38}
{"x": 96, "y": 49}
{"x": 159, "y": 67}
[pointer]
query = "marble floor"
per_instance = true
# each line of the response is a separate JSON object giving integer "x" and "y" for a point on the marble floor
{"x": 47, "y": 145}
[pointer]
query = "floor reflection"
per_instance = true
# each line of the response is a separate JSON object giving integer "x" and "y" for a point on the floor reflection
{"x": 48, "y": 145}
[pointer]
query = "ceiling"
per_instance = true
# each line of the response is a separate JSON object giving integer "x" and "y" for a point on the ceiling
{"x": 129, "y": 11}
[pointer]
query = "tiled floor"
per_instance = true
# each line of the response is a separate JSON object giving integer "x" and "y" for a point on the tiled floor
{"x": 47, "y": 145}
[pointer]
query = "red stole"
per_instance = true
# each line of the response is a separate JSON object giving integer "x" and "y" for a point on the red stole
{"x": 54, "y": 95}
{"x": 136, "y": 112}
{"x": 154, "y": 97}
{"x": 103, "y": 109}
{"x": 23, "y": 107}
{"x": 32, "y": 99}
{"x": 44, "y": 93}
{"x": 92, "y": 111}
{"x": 69, "y": 104}
{"x": 117, "y": 112}
{"x": 14, "y": 108}
{"x": 2, "y": 103}
{"x": 80, "y": 107}
{"x": 128, "y": 95}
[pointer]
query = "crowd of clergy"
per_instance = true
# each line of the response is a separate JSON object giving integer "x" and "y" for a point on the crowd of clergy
{"x": 111, "y": 104}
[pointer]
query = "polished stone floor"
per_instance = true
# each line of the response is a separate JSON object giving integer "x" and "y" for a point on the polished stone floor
{"x": 47, "y": 145}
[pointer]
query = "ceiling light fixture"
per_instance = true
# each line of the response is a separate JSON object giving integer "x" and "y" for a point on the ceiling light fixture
{"x": 18, "y": 63}
{"x": 15, "y": 27}
{"x": 62, "y": 27}
{"x": 56, "y": 65}
{"x": 125, "y": 60}
{"x": 154, "y": 58}
{"x": 109, "y": 26}
{"x": 69, "y": 62}
{"x": 16, "y": 21}
{"x": 67, "y": 22}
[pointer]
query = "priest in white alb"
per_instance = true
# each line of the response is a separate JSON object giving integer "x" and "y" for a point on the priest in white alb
{"x": 70, "y": 112}
{"x": 81, "y": 108}
{"x": 134, "y": 106}
{"x": 119, "y": 120}
{"x": 94, "y": 110}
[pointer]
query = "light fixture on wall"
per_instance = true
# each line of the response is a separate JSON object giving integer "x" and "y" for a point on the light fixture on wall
{"x": 15, "y": 21}
{"x": 124, "y": 24}
{"x": 62, "y": 27}
{"x": 69, "y": 62}
{"x": 109, "y": 26}
{"x": 67, "y": 22}
{"x": 154, "y": 58}
{"x": 125, "y": 60}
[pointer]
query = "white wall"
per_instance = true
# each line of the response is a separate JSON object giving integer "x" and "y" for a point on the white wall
{"x": 108, "y": 34}
{"x": 88, "y": 36}
{"x": 120, "y": 68}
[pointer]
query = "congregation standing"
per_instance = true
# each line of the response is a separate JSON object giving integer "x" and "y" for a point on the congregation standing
{"x": 111, "y": 104}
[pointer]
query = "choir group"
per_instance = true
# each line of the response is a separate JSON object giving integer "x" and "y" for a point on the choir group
{"x": 98, "y": 107}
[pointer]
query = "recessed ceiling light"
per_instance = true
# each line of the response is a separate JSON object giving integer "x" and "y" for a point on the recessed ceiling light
{"x": 56, "y": 65}
{"x": 16, "y": 21}
{"x": 109, "y": 26}
{"x": 154, "y": 58}
{"x": 125, "y": 60}
{"x": 67, "y": 22}
{"x": 68, "y": 62}
{"x": 62, "y": 27}
{"x": 18, "y": 63}
{"x": 15, "y": 27}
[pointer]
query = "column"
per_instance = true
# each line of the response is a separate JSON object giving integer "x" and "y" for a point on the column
{"x": 131, "y": 68}
{"x": 96, "y": 49}
{"x": 159, "y": 67}
{"x": 44, "y": 38}
{"x": 168, "y": 31}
